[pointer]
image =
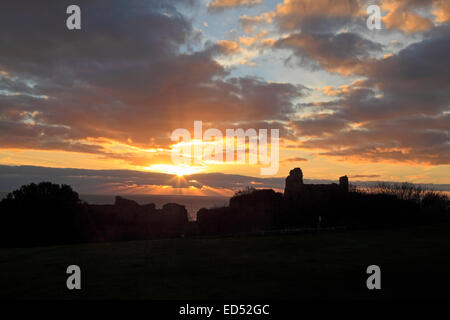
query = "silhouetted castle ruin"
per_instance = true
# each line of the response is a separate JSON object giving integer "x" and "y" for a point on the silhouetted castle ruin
{"x": 62, "y": 218}
{"x": 295, "y": 188}
{"x": 300, "y": 205}
{"x": 256, "y": 210}
{"x": 127, "y": 220}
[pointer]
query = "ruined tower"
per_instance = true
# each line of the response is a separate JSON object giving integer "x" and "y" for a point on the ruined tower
{"x": 343, "y": 183}
{"x": 294, "y": 183}
{"x": 296, "y": 189}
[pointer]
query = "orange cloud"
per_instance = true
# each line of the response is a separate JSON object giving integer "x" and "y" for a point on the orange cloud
{"x": 249, "y": 23}
{"x": 219, "y": 5}
{"x": 337, "y": 91}
{"x": 292, "y": 14}
{"x": 405, "y": 15}
{"x": 230, "y": 47}
{"x": 442, "y": 11}
{"x": 401, "y": 16}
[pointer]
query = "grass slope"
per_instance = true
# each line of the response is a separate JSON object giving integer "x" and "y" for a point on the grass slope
{"x": 415, "y": 263}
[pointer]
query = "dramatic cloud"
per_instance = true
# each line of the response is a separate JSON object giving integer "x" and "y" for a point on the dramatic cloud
{"x": 116, "y": 89}
{"x": 407, "y": 15}
{"x": 398, "y": 109}
{"x": 315, "y": 15}
{"x": 108, "y": 181}
{"x": 343, "y": 53}
{"x": 400, "y": 112}
{"x": 115, "y": 79}
{"x": 307, "y": 15}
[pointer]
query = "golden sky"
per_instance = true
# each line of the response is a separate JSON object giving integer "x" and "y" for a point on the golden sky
{"x": 371, "y": 104}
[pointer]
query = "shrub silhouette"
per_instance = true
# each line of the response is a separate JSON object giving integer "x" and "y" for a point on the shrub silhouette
{"x": 246, "y": 190}
{"x": 436, "y": 206}
{"x": 403, "y": 191}
{"x": 41, "y": 214}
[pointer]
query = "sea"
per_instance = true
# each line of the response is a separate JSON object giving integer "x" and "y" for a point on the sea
{"x": 192, "y": 203}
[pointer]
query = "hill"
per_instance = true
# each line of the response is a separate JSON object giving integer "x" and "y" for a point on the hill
{"x": 414, "y": 264}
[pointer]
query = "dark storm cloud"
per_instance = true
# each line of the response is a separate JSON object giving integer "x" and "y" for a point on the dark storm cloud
{"x": 38, "y": 41}
{"x": 124, "y": 76}
{"x": 319, "y": 125}
{"x": 130, "y": 75}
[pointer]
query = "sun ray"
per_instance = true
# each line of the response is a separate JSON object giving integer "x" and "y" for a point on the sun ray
{"x": 179, "y": 170}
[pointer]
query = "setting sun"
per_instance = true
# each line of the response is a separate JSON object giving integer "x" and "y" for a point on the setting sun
{"x": 180, "y": 170}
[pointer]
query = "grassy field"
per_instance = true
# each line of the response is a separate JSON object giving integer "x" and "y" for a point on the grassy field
{"x": 415, "y": 263}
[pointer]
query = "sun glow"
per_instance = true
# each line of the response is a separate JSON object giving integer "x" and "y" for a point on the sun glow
{"x": 180, "y": 170}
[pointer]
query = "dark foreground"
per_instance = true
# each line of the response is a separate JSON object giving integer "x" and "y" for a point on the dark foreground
{"x": 415, "y": 263}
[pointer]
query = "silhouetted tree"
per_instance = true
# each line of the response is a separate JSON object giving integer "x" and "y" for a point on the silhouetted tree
{"x": 41, "y": 214}
{"x": 436, "y": 205}
{"x": 403, "y": 191}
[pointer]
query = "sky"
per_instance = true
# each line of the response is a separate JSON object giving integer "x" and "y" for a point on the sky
{"x": 371, "y": 104}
